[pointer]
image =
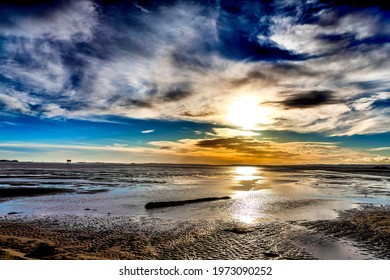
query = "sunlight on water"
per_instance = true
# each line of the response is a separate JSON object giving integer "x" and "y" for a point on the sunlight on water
{"x": 248, "y": 209}
{"x": 249, "y": 206}
{"x": 246, "y": 173}
{"x": 246, "y": 219}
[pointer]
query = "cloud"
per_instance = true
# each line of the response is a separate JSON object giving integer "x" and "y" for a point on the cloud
{"x": 119, "y": 145}
{"x": 316, "y": 67}
{"x": 380, "y": 149}
{"x": 57, "y": 20}
{"x": 308, "y": 99}
{"x": 53, "y": 111}
{"x": 229, "y": 132}
{"x": 214, "y": 150}
{"x": 19, "y": 102}
{"x": 198, "y": 114}
{"x": 247, "y": 150}
{"x": 243, "y": 31}
{"x": 147, "y": 131}
{"x": 177, "y": 93}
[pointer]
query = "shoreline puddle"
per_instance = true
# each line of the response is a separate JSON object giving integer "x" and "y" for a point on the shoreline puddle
{"x": 328, "y": 248}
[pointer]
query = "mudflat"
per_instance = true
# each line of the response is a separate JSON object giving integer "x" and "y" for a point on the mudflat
{"x": 98, "y": 212}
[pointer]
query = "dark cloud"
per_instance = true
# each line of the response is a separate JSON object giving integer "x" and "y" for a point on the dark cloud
{"x": 252, "y": 76}
{"x": 125, "y": 102}
{"x": 240, "y": 143}
{"x": 289, "y": 69}
{"x": 309, "y": 99}
{"x": 191, "y": 61}
{"x": 177, "y": 93}
{"x": 273, "y": 74}
{"x": 221, "y": 142}
{"x": 345, "y": 38}
{"x": 198, "y": 114}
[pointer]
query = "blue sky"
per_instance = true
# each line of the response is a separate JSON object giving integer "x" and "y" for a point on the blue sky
{"x": 256, "y": 82}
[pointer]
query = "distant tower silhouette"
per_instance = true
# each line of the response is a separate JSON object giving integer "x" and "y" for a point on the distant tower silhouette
{"x": 69, "y": 161}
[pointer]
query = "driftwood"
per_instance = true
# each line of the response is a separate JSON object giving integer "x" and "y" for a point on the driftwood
{"x": 152, "y": 205}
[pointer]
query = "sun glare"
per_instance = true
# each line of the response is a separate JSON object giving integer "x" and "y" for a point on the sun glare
{"x": 247, "y": 114}
{"x": 245, "y": 173}
{"x": 246, "y": 170}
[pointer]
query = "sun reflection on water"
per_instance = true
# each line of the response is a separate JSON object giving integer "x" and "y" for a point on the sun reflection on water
{"x": 248, "y": 178}
{"x": 248, "y": 207}
{"x": 245, "y": 173}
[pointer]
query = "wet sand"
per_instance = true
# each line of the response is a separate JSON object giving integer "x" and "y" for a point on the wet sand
{"x": 368, "y": 226}
{"x": 361, "y": 233}
{"x": 141, "y": 238}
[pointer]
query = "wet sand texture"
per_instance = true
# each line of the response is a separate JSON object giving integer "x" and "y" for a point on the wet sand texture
{"x": 143, "y": 238}
{"x": 85, "y": 237}
{"x": 368, "y": 226}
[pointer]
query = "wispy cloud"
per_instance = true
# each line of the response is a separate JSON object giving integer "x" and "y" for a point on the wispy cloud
{"x": 315, "y": 67}
{"x": 229, "y": 132}
{"x": 147, "y": 131}
{"x": 380, "y": 149}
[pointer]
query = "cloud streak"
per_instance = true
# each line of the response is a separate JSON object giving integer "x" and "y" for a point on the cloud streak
{"x": 147, "y": 131}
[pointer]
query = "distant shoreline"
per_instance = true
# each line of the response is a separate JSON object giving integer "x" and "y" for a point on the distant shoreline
{"x": 372, "y": 165}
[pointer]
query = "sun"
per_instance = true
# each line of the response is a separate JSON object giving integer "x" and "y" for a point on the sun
{"x": 246, "y": 113}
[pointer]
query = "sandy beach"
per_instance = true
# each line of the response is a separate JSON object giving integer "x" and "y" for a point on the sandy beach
{"x": 299, "y": 213}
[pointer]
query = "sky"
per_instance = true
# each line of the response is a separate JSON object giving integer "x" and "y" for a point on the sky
{"x": 208, "y": 82}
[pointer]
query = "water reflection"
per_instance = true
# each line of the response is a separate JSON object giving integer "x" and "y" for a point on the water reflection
{"x": 245, "y": 173}
{"x": 248, "y": 178}
{"x": 247, "y": 208}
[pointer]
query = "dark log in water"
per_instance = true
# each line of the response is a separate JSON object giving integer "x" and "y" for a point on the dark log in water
{"x": 152, "y": 205}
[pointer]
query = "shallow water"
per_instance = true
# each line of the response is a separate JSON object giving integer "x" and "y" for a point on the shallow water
{"x": 257, "y": 192}
{"x": 329, "y": 249}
